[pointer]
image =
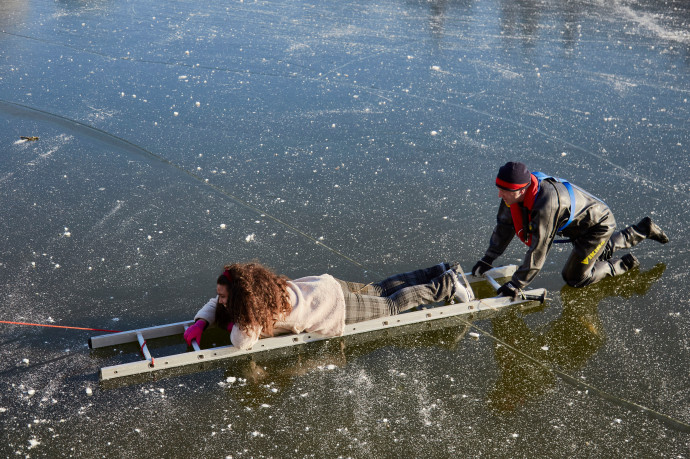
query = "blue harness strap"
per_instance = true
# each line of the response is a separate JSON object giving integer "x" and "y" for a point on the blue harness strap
{"x": 541, "y": 176}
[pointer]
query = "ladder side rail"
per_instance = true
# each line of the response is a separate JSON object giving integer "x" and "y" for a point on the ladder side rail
{"x": 130, "y": 336}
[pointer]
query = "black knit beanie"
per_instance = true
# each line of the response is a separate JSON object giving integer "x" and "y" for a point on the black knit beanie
{"x": 513, "y": 176}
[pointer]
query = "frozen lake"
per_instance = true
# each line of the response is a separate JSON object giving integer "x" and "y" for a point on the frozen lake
{"x": 359, "y": 139}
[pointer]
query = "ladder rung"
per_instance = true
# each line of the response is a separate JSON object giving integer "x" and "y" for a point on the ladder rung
{"x": 144, "y": 348}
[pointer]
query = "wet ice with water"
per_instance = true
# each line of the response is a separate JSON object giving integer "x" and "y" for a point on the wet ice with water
{"x": 359, "y": 139}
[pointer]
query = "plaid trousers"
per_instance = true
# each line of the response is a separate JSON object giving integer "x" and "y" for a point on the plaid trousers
{"x": 397, "y": 293}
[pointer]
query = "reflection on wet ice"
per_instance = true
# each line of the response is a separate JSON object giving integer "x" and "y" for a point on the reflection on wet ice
{"x": 567, "y": 343}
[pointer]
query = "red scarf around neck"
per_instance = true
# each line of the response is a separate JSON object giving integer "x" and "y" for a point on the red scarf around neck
{"x": 527, "y": 203}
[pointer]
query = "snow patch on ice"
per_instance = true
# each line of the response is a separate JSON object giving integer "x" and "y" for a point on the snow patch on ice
{"x": 651, "y": 22}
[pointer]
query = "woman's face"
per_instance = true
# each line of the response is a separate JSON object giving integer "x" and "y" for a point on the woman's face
{"x": 223, "y": 293}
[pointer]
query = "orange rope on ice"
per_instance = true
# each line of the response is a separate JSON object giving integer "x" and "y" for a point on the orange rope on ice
{"x": 57, "y": 326}
{"x": 71, "y": 328}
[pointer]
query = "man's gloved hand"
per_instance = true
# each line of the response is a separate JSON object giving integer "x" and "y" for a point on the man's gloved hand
{"x": 509, "y": 290}
{"x": 481, "y": 267}
{"x": 194, "y": 332}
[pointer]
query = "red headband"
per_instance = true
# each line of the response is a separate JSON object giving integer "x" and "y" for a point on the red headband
{"x": 227, "y": 275}
{"x": 510, "y": 186}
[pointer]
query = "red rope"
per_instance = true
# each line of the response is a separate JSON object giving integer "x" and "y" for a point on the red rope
{"x": 58, "y": 326}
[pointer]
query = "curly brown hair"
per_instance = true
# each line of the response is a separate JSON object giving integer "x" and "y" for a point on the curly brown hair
{"x": 257, "y": 297}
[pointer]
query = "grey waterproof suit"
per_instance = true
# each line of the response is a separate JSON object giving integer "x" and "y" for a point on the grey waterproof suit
{"x": 591, "y": 233}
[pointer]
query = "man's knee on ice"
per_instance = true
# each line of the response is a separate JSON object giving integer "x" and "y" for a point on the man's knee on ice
{"x": 577, "y": 281}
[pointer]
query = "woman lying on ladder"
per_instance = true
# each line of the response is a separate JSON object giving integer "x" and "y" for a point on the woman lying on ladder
{"x": 253, "y": 302}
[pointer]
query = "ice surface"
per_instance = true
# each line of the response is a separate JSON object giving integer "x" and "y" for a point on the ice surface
{"x": 355, "y": 138}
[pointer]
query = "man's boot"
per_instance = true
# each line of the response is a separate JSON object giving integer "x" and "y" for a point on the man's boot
{"x": 651, "y": 230}
{"x": 633, "y": 235}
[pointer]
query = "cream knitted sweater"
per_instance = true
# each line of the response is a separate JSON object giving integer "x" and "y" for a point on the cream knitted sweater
{"x": 318, "y": 306}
